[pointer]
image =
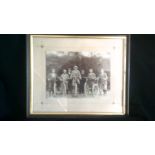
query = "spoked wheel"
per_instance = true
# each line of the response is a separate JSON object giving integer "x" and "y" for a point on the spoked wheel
{"x": 86, "y": 89}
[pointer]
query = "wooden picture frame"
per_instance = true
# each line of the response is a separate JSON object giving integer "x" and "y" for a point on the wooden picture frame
{"x": 53, "y": 91}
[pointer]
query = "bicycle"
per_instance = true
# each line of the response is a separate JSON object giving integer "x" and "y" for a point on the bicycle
{"x": 91, "y": 87}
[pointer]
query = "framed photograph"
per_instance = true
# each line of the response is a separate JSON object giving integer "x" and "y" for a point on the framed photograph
{"x": 77, "y": 75}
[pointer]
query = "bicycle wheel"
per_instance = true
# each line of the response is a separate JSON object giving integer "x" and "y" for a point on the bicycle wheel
{"x": 95, "y": 90}
{"x": 86, "y": 89}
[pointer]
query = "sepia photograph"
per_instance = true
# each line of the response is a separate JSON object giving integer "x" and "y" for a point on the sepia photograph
{"x": 73, "y": 74}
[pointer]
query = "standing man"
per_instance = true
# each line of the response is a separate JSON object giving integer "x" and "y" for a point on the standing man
{"x": 51, "y": 78}
{"x": 91, "y": 79}
{"x": 76, "y": 77}
{"x": 82, "y": 82}
{"x": 64, "y": 79}
{"x": 103, "y": 82}
{"x": 69, "y": 91}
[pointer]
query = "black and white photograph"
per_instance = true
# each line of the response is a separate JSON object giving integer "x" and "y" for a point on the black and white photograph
{"x": 78, "y": 74}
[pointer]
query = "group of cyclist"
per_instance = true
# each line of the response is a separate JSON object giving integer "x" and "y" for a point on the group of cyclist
{"x": 75, "y": 82}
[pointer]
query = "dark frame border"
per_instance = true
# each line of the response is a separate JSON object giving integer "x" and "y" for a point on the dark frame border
{"x": 77, "y": 117}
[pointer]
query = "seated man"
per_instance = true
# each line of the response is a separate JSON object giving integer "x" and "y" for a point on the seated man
{"x": 103, "y": 82}
{"x": 51, "y": 79}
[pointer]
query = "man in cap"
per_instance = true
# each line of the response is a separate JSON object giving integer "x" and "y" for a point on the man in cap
{"x": 75, "y": 76}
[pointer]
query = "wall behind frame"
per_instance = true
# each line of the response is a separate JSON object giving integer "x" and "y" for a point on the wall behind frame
{"x": 13, "y": 79}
